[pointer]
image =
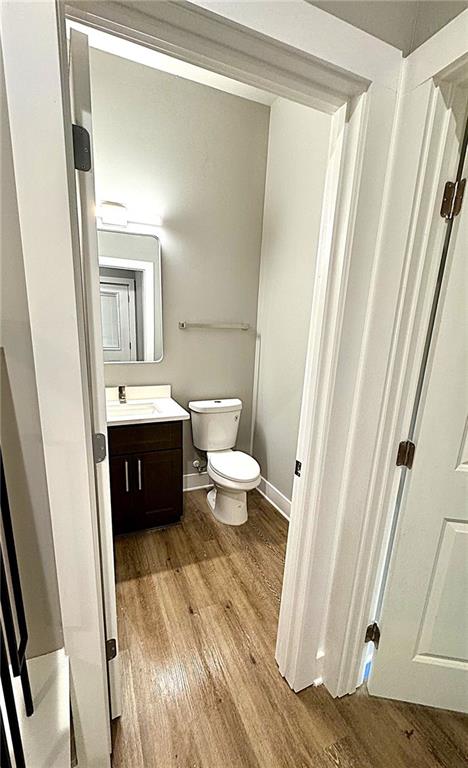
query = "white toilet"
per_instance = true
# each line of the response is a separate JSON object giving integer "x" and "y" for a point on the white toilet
{"x": 214, "y": 426}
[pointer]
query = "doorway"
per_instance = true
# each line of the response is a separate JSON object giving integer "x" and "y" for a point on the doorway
{"x": 312, "y": 174}
{"x": 348, "y": 131}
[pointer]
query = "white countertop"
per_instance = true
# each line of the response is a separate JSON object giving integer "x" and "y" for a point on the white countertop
{"x": 144, "y": 405}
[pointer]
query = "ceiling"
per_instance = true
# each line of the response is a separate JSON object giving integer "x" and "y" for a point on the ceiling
{"x": 402, "y": 23}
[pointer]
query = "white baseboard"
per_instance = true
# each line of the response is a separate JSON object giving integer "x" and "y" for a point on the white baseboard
{"x": 275, "y": 497}
{"x": 196, "y": 480}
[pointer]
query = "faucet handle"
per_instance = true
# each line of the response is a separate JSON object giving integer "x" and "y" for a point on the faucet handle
{"x": 122, "y": 394}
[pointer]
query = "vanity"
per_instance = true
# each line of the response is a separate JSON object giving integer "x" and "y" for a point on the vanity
{"x": 145, "y": 457}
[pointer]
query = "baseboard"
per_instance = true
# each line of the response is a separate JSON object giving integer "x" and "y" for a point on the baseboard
{"x": 197, "y": 480}
{"x": 275, "y": 497}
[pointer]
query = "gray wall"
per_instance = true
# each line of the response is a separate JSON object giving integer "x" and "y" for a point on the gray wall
{"x": 196, "y": 156}
{"x": 406, "y": 24}
{"x": 21, "y": 437}
{"x": 297, "y": 160}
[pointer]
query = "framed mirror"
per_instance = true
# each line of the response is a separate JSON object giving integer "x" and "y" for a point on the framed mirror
{"x": 131, "y": 297}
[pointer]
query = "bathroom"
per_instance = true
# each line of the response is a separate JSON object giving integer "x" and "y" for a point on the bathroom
{"x": 219, "y": 187}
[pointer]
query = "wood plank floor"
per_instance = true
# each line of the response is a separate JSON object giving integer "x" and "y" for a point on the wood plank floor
{"x": 198, "y": 610}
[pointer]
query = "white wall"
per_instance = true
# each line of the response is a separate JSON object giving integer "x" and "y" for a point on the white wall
{"x": 297, "y": 161}
{"x": 196, "y": 156}
{"x": 21, "y": 437}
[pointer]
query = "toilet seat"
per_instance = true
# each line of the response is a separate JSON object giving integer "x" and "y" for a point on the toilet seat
{"x": 235, "y": 467}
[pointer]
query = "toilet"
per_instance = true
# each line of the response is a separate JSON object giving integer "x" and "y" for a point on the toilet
{"x": 215, "y": 424}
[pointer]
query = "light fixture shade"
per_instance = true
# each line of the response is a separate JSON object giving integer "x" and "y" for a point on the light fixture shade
{"x": 116, "y": 216}
{"x": 113, "y": 213}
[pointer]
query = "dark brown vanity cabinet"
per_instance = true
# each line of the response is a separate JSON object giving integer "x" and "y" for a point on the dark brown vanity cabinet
{"x": 145, "y": 475}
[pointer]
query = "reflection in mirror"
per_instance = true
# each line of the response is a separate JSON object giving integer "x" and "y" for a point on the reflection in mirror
{"x": 131, "y": 297}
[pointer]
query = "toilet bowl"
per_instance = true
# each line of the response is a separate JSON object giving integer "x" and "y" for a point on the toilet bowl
{"x": 233, "y": 474}
{"x": 215, "y": 424}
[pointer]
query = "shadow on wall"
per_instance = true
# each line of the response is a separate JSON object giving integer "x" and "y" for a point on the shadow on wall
{"x": 40, "y": 615}
{"x": 261, "y": 449}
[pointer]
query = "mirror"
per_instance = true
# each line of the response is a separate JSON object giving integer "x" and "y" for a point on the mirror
{"x": 131, "y": 297}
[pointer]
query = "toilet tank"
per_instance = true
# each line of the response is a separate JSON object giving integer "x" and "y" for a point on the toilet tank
{"x": 215, "y": 423}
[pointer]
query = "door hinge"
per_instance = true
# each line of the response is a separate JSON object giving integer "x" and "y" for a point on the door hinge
{"x": 99, "y": 447}
{"x": 452, "y": 199}
{"x": 405, "y": 455}
{"x": 373, "y": 634}
{"x": 111, "y": 648}
{"x": 298, "y": 468}
{"x": 81, "y": 148}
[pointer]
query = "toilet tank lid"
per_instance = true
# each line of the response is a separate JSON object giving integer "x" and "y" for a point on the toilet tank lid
{"x": 216, "y": 406}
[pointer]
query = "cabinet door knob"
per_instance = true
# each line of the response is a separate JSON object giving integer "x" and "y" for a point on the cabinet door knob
{"x": 139, "y": 474}
{"x": 127, "y": 488}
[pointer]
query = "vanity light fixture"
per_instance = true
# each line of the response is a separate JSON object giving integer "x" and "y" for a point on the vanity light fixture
{"x": 116, "y": 215}
{"x": 112, "y": 213}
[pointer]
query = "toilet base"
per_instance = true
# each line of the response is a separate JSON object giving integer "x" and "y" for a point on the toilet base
{"x": 229, "y": 507}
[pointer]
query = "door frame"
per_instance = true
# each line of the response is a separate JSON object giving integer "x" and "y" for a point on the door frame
{"x": 36, "y": 80}
{"x": 362, "y": 117}
{"x": 426, "y": 156}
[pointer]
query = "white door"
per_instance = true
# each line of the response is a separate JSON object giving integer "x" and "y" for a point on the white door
{"x": 118, "y": 319}
{"x": 423, "y": 652}
{"x": 82, "y": 116}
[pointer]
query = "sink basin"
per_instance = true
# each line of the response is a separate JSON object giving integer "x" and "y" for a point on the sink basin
{"x": 132, "y": 409}
{"x": 145, "y": 411}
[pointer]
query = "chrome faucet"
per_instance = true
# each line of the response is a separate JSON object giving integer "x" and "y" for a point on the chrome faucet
{"x": 122, "y": 396}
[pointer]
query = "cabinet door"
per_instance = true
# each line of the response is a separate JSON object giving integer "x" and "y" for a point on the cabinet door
{"x": 122, "y": 493}
{"x": 159, "y": 482}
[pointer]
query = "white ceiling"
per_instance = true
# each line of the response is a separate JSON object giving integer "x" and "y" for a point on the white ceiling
{"x": 402, "y": 23}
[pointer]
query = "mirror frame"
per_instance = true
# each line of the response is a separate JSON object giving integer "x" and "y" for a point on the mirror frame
{"x": 146, "y": 267}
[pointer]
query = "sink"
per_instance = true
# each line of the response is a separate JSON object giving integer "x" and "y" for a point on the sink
{"x": 124, "y": 410}
{"x": 144, "y": 410}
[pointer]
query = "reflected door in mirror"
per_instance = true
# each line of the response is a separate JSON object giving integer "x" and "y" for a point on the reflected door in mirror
{"x": 118, "y": 314}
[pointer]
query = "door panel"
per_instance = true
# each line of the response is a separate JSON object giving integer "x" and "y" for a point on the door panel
{"x": 118, "y": 317}
{"x": 146, "y": 490}
{"x": 115, "y": 313}
{"x": 111, "y": 336}
{"x": 423, "y": 653}
{"x": 159, "y": 478}
{"x": 444, "y": 627}
{"x": 81, "y": 110}
{"x": 122, "y": 492}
